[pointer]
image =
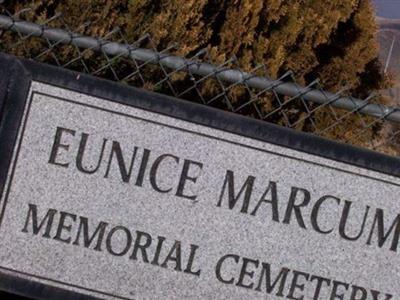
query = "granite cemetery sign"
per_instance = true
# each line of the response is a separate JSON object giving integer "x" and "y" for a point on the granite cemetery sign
{"x": 112, "y": 192}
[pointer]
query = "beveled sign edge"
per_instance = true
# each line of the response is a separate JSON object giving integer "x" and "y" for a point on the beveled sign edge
{"x": 15, "y": 81}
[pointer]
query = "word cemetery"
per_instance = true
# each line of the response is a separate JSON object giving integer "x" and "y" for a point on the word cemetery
{"x": 116, "y": 193}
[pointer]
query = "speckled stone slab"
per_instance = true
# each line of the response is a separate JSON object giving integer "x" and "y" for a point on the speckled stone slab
{"x": 118, "y": 202}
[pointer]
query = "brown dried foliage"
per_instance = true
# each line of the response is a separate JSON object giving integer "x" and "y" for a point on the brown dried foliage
{"x": 334, "y": 40}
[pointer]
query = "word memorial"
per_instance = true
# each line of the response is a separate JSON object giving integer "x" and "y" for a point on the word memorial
{"x": 116, "y": 193}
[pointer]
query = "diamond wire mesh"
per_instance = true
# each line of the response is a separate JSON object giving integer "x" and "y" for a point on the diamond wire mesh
{"x": 338, "y": 116}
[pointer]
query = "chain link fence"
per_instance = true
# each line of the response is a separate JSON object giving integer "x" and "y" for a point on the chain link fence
{"x": 337, "y": 115}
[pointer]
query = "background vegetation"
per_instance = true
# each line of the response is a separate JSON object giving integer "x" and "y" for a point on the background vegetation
{"x": 333, "y": 40}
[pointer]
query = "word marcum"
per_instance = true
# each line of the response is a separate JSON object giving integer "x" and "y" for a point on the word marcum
{"x": 299, "y": 203}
